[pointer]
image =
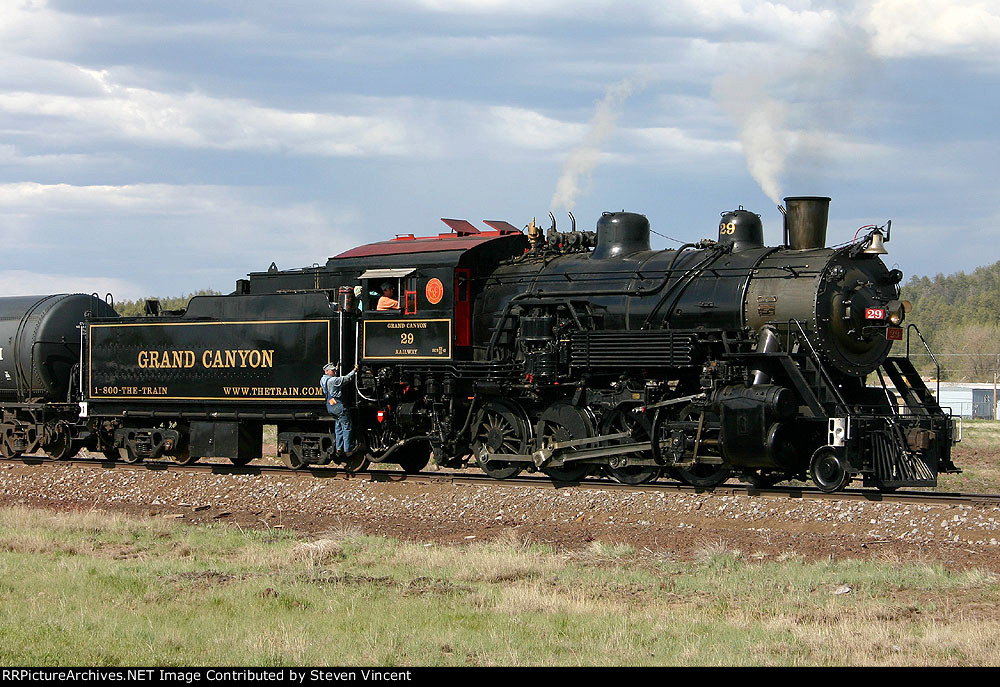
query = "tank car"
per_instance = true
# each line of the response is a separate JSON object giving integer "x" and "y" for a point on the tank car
{"x": 40, "y": 355}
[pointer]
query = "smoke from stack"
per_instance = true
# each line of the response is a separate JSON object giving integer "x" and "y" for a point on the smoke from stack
{"x": 789, "y": 110}
{"x": 762, "y": 129}
{"x": 583, "y": 159}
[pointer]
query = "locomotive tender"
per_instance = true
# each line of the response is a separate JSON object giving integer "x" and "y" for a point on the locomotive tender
{"x": 572, "y": 353}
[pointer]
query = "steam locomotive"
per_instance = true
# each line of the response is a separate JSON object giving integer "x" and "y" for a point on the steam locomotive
{"x": 571, "y": 353}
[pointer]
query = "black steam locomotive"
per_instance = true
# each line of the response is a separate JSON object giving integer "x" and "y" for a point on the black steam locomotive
{"x": 573, "y": 353}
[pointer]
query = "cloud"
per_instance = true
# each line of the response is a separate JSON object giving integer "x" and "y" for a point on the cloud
{"x": 680, "y": 142}
{"x": 531, "y": 130}
{"x": 584, "y": 157}
{"x": 10, "y": 155}
{"x": 32, "y": 27}
{"x": 957, "y": 28}
{"x": 155, "y": 236}
{"x": 28, "y": 283}
{"x": 197, "y": 120}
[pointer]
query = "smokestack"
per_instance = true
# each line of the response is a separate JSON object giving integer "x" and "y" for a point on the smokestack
{"x": 805, "y": 221}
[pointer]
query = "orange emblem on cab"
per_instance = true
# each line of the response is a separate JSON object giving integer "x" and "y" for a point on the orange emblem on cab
{"x": 434, "y": 291}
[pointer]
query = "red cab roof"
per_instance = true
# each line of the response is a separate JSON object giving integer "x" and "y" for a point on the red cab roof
{"x": 466, "y": 236}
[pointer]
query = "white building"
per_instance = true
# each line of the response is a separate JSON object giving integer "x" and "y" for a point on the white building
{"x": 968, "y": 399}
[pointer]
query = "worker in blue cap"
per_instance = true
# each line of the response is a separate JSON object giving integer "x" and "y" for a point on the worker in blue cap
{"x": 333, "y": 389}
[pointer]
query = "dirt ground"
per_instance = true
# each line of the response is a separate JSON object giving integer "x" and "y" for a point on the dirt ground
{"x": 677, "y": 524}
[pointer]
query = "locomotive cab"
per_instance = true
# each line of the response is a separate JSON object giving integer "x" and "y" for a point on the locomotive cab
{"x": 420, "y": 328}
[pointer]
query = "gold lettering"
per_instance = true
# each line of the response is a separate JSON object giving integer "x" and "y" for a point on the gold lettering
{"x": 209, "y": 359}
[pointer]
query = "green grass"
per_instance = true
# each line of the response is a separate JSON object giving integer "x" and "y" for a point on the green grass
{"x": 978, "y": 455}
{"x": 104, "y": 589}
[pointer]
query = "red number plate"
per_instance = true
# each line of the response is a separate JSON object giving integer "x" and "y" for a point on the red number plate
{"x": 894, "y": 333}
{"x": 874, "y": 313}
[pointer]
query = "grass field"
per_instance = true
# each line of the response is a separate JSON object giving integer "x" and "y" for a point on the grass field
{"x": 104, "y": 589}
{"x": 978, "y": 454}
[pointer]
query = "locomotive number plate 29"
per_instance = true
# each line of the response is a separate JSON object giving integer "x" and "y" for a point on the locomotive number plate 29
{"x": 874, "y": 313}
{"x": 407, "y": 339}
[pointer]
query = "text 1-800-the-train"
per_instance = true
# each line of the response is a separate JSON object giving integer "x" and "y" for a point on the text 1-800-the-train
{"x": 572, "y": 353}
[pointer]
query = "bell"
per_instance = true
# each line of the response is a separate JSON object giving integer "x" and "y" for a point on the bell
{"x": 876, "y": 246}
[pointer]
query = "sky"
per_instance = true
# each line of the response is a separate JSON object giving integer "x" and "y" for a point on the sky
{"x": 155, "y": 149}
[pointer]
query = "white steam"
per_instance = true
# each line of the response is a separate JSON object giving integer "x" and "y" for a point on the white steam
{"x": 584, "y": 158}
{"x": 795, "y": 113}
{"x": 762, "y": 129}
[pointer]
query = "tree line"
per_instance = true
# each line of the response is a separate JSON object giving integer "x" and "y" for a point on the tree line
{"x": 137, "y": 307}
{"x": 959, "y": 316}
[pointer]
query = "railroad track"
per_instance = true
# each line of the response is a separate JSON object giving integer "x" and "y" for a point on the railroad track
{"x": 538, "y": 482}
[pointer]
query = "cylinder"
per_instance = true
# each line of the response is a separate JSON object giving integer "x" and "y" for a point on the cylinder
{"x": 805, "y": 221}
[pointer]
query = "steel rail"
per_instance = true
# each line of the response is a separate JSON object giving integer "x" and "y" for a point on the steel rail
{"x": 793, "y": 492}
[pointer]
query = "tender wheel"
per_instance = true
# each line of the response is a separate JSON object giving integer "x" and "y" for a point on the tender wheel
{"x": 184, "y": 458}
{"x": 356, "y": 461}
{"x": 500, "y": 428}
{"x": 6, "y": 450}
{"x": 290, "y": 459}
{"x": 357, "y": 458}
{"x": 828, "y": 470}
{"x": 60, "y": 445}
{"x": 413, "y": 457}
{"x": 127, "y": 455}
{"x": 623, "y": 419}
{"x": 564, "y": 422}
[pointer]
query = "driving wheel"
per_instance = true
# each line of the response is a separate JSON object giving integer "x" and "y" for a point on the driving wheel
{"x": 625, "y": 419}
{"x": 500, "y": 428}
{"x": 561, "y": 422}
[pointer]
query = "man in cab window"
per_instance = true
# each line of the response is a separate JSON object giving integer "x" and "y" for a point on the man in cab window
{"x": 388, "y": 299}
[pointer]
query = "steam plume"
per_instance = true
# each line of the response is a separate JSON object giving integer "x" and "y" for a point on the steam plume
{"x": 583, "y": 158}
{"x": 762, "y": 129}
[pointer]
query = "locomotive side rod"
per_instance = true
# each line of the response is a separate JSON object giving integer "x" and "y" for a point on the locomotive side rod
{"x": 555, "y": 457}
